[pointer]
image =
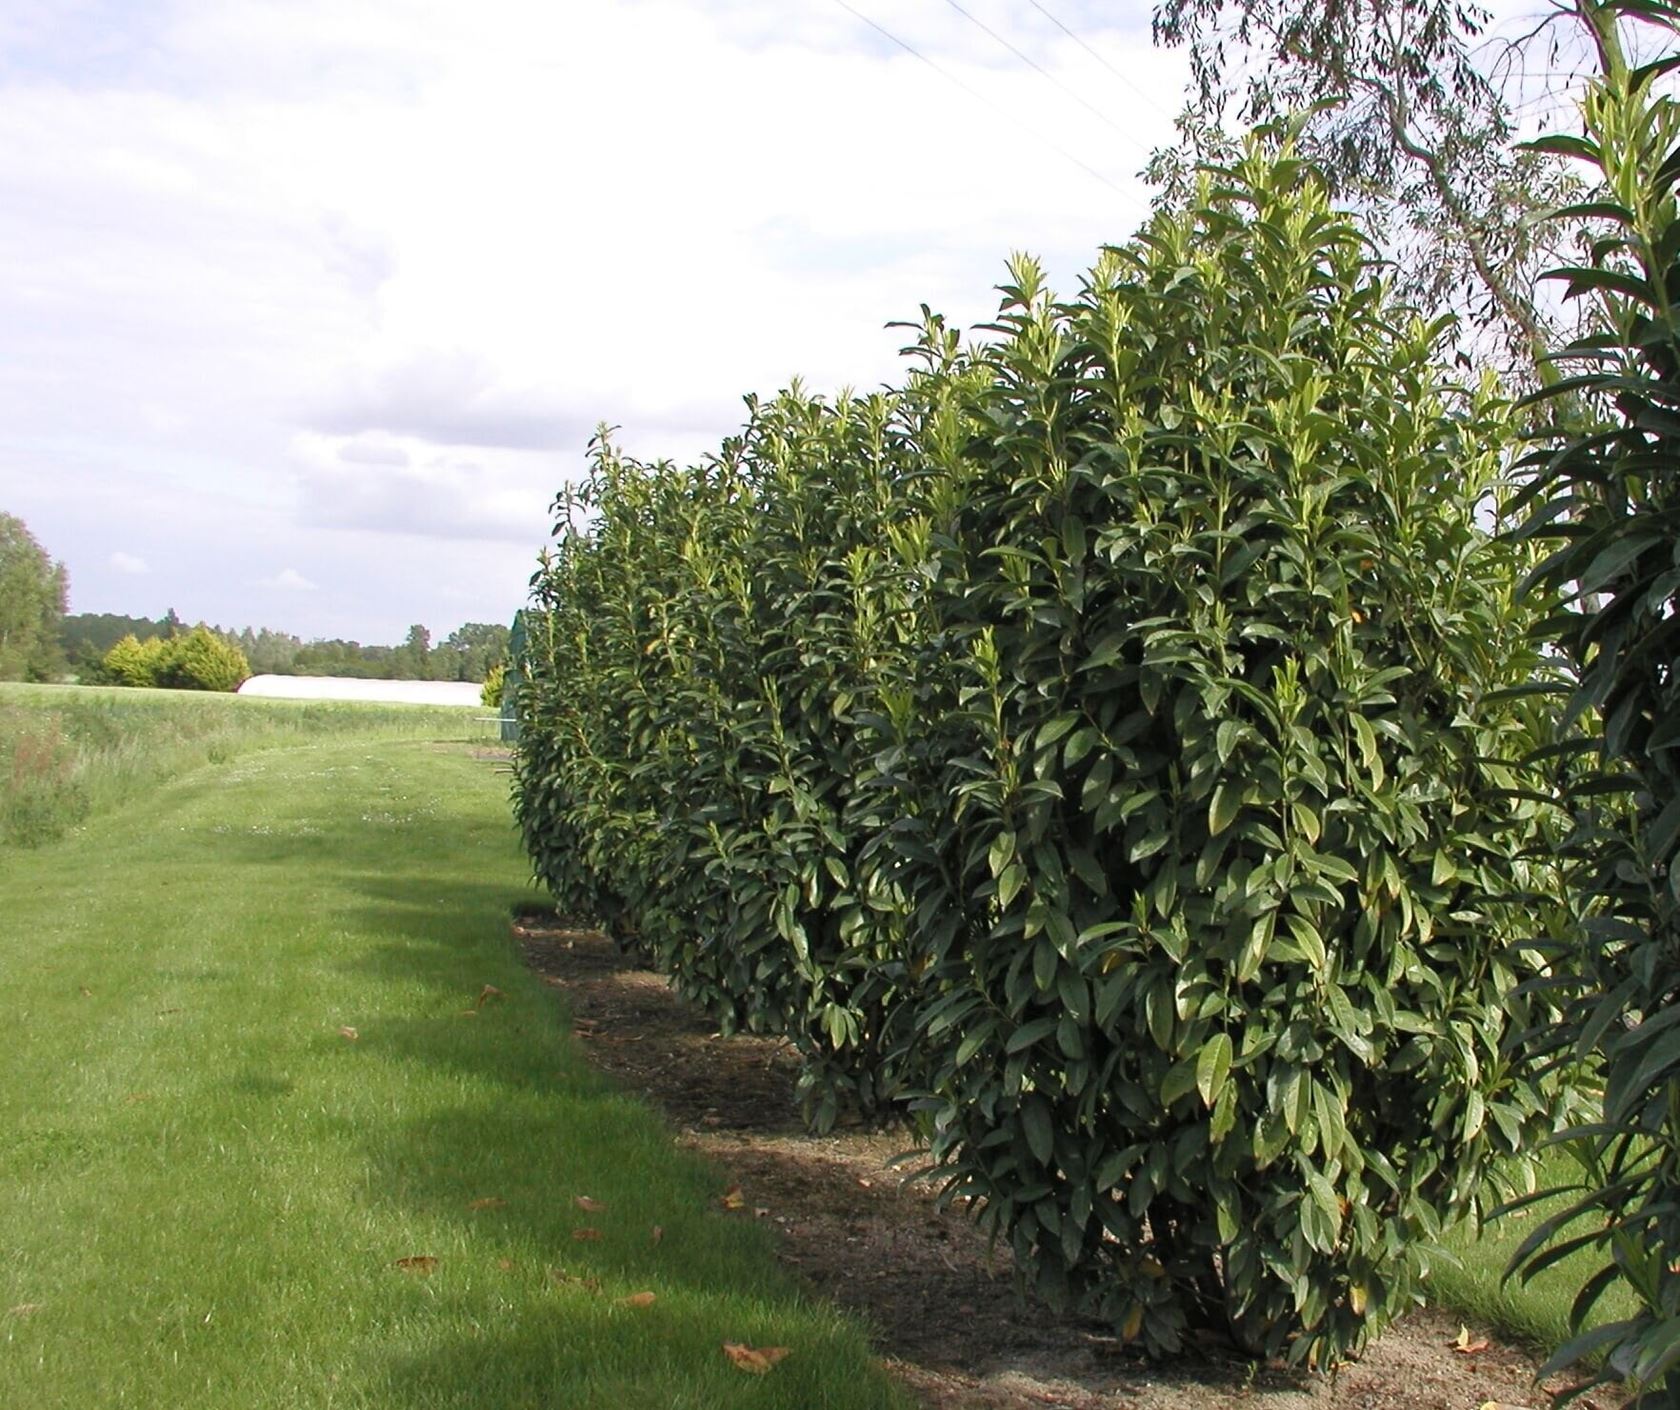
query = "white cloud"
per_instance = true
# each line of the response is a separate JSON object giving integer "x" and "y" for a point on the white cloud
{"x": 343, "y": 267}
{"x": 288, "y": 580}
{"x": 127, "y": 563}
{"x": 409, "y": 486}
{"x": 449, "y": 398}
{"x": 372, "y": 450}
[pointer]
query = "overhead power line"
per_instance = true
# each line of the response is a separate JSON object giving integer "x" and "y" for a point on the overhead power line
{"x": 975, "y": 93}
{"x": 1129, "y": 82}
{"x": 1050, "y": 77}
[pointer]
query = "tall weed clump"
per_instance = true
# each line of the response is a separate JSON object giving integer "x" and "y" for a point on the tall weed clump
{"x": 1097, "y": 746}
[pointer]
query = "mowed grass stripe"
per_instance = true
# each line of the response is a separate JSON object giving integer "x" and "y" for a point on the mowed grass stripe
{"x": 205, "y": 1188}
{"x": 68, "y": 753}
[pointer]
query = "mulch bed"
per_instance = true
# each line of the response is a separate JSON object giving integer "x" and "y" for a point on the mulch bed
{"x": 943, "y": 1307}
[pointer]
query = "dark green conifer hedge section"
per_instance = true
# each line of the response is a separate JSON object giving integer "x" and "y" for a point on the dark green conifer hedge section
{"x": 1096, "y": 747}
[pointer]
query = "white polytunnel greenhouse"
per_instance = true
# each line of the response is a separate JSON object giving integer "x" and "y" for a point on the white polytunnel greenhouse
{"x": 356, "y": 688}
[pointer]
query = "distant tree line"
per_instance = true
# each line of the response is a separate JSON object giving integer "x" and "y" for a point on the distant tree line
{"x": 85, "y": 640}
{"x": 39, "y": 641}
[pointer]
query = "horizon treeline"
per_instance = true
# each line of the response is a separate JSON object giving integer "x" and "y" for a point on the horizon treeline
{"x": 466, "y": 654}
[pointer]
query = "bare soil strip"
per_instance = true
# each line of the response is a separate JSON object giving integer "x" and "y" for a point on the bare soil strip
{"x": 943, "y": 1307}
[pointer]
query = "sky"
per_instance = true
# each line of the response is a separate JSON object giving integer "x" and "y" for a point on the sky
{"x": 310, "y": 307}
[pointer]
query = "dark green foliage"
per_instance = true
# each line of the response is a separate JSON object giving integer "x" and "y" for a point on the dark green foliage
{"x": 698, "y": 668}
{"x": 1097, "y": 747}
{"x": 1230, "y": 1043}
{"x": 466, "y": 654}
{"x": 471, "y": 652}
{"x": 1608, "y": 500}
{"x": 268, "y": 651}
{"x": 86, "y": 636}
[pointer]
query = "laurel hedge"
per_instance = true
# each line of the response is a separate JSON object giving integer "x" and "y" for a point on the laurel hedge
{"x": 696, "y": 716}
{"x": 1103, "y": 749}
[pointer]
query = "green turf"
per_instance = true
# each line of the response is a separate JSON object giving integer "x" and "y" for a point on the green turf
{"x": 1536, "y": 1312}
{"x": 68, "y": 753}
{"x": 205, "y": 1189}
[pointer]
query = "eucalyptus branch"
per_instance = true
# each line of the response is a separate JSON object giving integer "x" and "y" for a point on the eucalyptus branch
{"x": 1512, "y": 304}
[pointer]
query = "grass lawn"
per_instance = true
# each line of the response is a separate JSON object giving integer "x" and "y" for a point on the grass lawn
{"x": 68, "y": 753}
{"x": 1536, "y": 1312}
{"x": 207, "y": 1186}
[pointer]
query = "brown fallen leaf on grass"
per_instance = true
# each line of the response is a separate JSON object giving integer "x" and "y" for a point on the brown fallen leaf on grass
{"x": 586, "y": 1235}
{"x": 488, "y": 992}
{"x": 420, "y": 1264}
{"x": 641, "y": 1299}
{"x": 23, "y": 1309}
{"x": 733, "y": 1198}
{"x": 488, "y": 1202}
{"x": 1465, "y": 1346}
{"x": 657, "y": 1234}
{"x": 757, "y": 1360}
{"x": 587, "y": 1205}
{"x": 561, "y": 1278}
{"x": 505, "y": 1264}
{"x": 348, "y": 1032}
{"x": 86, "y": 992}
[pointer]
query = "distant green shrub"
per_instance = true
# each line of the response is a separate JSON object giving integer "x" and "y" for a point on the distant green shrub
{"x": 491, "y": 693}
{"x": 195, "y": 660}
{"x": 133, "y": 662}
{"x": 201, "y": 660}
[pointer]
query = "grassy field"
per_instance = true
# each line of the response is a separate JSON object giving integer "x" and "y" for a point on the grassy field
{"x": 248, "y": 1075}
{"x": 207, "y": 1186}
{"x": 68, "y": 753}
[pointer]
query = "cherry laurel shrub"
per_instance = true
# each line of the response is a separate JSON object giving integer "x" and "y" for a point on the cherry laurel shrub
{"x": 705, "y": 643}
{"x": 1238, "y": 785}
{"x": 1097, "y": 747}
